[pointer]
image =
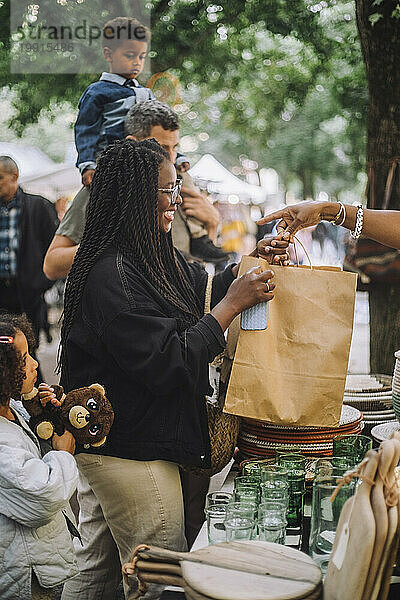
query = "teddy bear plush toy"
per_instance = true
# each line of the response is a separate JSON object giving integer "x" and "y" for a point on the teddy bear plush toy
{"x": 85, "y": 412}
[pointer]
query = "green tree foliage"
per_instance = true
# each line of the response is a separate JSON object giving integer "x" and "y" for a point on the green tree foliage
{"x": 244, "y": 67}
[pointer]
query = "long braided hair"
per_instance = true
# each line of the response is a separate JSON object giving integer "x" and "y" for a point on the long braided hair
{"x": 122, "y": 212}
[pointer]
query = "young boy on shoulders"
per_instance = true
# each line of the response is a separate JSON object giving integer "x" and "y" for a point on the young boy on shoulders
{"x": 105, "y": 103}
{"x": 102, "y": 110}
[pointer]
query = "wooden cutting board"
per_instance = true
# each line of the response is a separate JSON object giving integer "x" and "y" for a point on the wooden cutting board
{"x": 392, "y": 526}
{"x": 350, "y": 561}
{"x": 247, "y": 570}
{"x": 379, "y": 508}
{"x": 287, "y": 573}
{"x": 388, "y": 569}
{"x": 191, "y": 594}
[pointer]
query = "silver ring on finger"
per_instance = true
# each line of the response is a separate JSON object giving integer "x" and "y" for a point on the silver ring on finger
{"x": 267, "y": 288}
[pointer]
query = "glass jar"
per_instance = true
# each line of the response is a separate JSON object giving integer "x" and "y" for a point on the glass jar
{"x": 325, "y": 514}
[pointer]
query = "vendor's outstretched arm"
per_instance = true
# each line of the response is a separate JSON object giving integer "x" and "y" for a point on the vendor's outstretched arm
{"x": 380, "y": 225}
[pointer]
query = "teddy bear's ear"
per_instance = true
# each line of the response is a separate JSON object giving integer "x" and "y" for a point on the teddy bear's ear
{"x": 99, "y": 388}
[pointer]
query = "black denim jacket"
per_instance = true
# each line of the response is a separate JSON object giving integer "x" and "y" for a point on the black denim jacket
{"x": 126, "y": 337}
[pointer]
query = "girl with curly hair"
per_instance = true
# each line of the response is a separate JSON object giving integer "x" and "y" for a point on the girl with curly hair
{"x": 36, "y": 552}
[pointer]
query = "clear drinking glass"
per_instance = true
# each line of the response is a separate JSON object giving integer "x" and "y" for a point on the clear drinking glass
{"x": 248, "y": 508}
{"x": 247, "y": 487}
{"x": 271, "y": 522}
{"x": 246, "y": 494}
{"x": 269, "y": 494}
{"x": 353, "y": 447}
{"x": 215, "y": 515}
{"x": 274, "y": 475}
{"x": 239, "y": 528}
{"x": 238, "y": 510}
{"x": 218, "y": 498}
{"x": 325, "y": 514}
{"x": 246, "y": 480}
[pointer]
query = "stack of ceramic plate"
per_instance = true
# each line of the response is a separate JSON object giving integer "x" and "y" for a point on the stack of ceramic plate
{"x": 396, "y": 387}
{"x": 372, "y": 394}
{"x": 259, "y": 439}
{"x": 384, "y": 431}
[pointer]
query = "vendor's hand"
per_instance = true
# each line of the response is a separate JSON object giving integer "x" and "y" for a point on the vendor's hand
{"x": 87, "y": 177}
{"x": 65, "y": 442}
{"x": 201, "y": 208}
{"x": 46, "y": 394}
{"x": 273, "y": 250}
{"x": 299, "y": 216}
{"x": 250, "y": 289}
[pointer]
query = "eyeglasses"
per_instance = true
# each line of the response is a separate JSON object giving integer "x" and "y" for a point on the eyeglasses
{"x": 174, "y": 191}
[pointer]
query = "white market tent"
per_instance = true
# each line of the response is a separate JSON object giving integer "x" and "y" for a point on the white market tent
{"x": 39, "y": 174}
{"x": 208, "y": 173}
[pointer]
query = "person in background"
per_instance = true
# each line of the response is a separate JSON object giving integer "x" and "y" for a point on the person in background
{"x": 149, "y": 119}
{"x": 36, "y": 552}
{"x": 190, "y": 234}
{"x": 382, "y": 226}
{"x": 27, "y": 225}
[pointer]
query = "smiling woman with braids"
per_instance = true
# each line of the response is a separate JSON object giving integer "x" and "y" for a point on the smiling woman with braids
{"x": 134, "y": 322}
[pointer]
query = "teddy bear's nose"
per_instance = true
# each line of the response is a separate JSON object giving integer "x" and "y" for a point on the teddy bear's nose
{"x": 79, "y": 416}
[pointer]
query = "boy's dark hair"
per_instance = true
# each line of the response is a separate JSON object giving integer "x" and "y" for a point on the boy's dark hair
{"x": 11, "y": 364}
{"x": 145, "y": 115}
{"x": 117, "y": 30}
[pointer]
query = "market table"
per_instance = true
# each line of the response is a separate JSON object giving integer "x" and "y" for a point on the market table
{"x": 225, "y": 481}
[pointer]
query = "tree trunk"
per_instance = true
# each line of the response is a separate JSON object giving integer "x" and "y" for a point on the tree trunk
{"x": 307, "y": 181}
{"x": 381, "y": 50}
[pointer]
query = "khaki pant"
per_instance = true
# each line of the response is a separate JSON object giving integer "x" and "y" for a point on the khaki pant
{"x": 39, "y": 592}
{"x": 122, "y": 503}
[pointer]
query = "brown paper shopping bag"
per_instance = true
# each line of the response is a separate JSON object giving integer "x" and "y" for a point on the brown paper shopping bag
{"x": 293, "y": 373}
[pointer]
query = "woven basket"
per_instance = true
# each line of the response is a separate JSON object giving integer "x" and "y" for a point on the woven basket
{"x": 223, "y": 428}
{"x": 224, "y": 431}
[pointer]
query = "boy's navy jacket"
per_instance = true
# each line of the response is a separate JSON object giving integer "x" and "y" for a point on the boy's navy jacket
{"x": 102, "y": 110}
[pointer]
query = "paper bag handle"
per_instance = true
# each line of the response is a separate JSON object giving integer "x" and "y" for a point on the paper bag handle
{"x": 295, "y": 239}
